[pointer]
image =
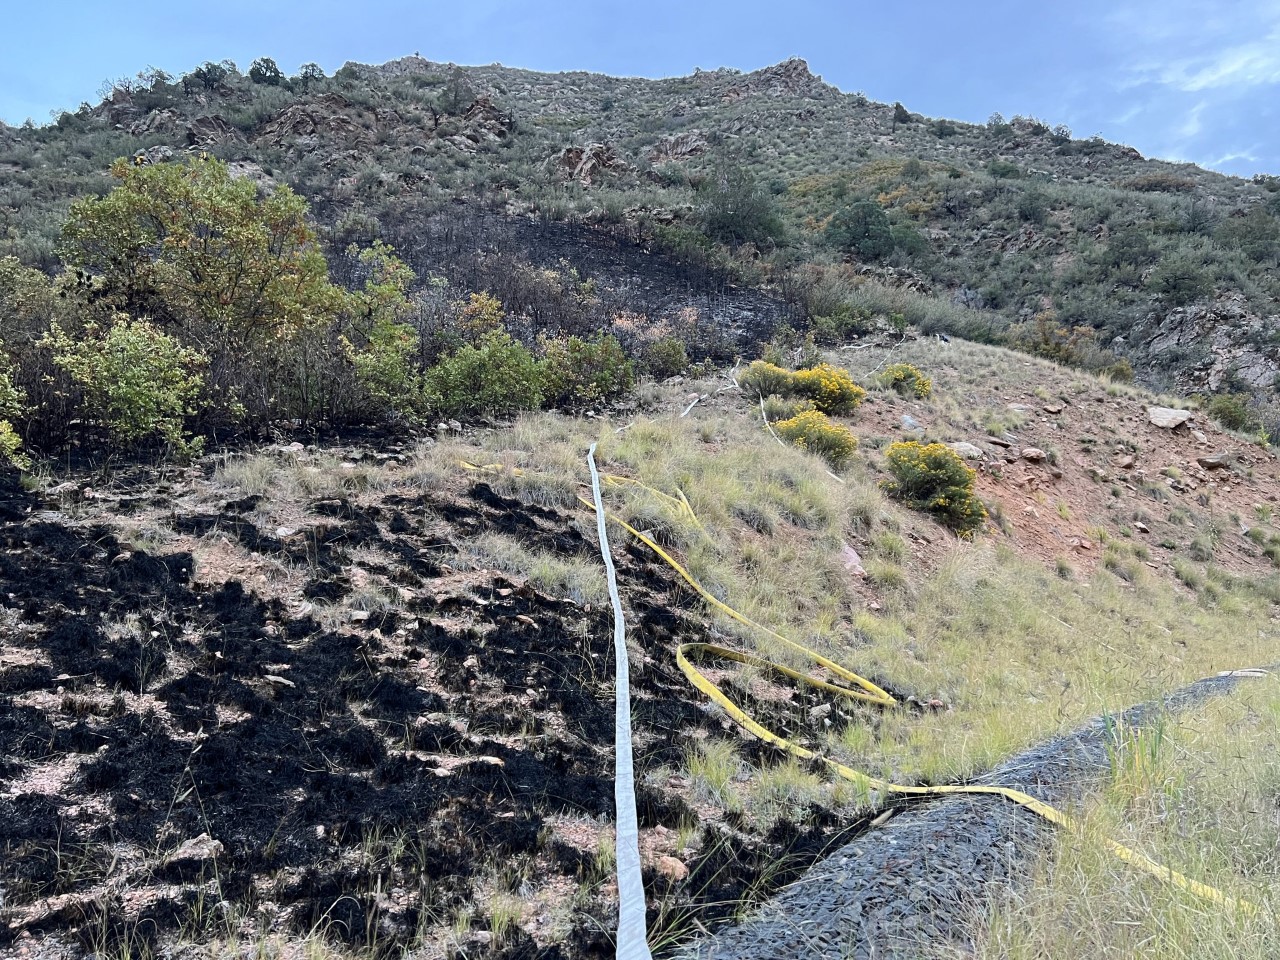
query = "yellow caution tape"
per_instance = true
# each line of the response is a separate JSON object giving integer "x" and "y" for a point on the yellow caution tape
{"x": 863, "y": 690}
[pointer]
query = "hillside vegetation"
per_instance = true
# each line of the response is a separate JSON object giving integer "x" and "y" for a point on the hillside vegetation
{"x": 306, "y": 641}
{"x": 723, "y": 203}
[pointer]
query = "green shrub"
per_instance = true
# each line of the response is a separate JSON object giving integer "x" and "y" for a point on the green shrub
{"x": 12, "y": 404}
{"x": 932, "y": 477}
{"x": 1230, "y": 411}
{"x": 579, "y": 372}
{"x": 863, "y": 229}
{"x": 1180, "y": 280}
{"x": 497, "y": 375}
{"x": 830, "y": 388}
{"x": 1004, "y": 170}
{"x": 734, "y": 209}
{"x": 665, "y": 357}
{"x": 137, "y": 382}
{"x": 766, "y": 379}
{"x": 811, "y": 430}
{"x": 906, "y": 378}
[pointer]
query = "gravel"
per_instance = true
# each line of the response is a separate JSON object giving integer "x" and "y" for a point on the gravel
{"x": 920, "y": 878}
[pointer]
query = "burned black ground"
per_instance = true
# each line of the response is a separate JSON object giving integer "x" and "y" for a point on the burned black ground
{"x": 366, "y": 779}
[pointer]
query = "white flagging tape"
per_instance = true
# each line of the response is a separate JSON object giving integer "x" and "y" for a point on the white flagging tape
{"x": 632, "y": 942}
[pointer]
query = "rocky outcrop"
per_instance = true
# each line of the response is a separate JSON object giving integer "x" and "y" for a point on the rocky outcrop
{"x": 158, "y": 121}
{"x": 304, "y": 126}
{"x": 204, "y": 131}
{"x": 677, "y": 147}
{"x": 403, "y": 67}
{"x": 1207, "y": 346}
{"x": 789, "y": 78}
{"x": 589, "y": 161}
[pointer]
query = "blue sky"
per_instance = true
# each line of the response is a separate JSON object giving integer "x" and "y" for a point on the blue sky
{"x": 1182, "y": 80}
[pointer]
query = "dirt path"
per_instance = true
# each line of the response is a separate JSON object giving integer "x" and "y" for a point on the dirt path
{"x": 920, "y": 878}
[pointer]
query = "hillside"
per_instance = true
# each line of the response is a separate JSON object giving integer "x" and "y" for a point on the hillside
{"x": 835, "y": 208}
{"x": 934, "y": 456}
{"x": 232, "y": 687}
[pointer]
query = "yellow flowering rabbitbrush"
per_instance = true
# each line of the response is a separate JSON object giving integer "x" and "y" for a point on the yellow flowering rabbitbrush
{"x": 932, "y": 477}
{"x": 830, "y": 388}
{"x": 907, "y": 378}
{"x": 811, "y": 430}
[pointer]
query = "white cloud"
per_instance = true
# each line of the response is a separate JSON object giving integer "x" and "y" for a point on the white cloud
{"x": 1247, "y": 65}
{"x": 1180, "y": 44}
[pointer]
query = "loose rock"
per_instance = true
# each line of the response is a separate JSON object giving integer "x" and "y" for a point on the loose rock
{"x": 1166, "y": 418}
{"x": 1216, "y": 461}
{"x": 967, "y": 450}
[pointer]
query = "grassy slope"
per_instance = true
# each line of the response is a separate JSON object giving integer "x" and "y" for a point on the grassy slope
{"x": 1015, "y": 651}
{"x": 1014, "y": 647}
{"x": 1200, "y": 791}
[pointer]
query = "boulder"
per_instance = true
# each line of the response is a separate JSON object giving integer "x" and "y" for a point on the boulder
{"x": 156, "y": 154}
{"x": 677, "y": 147}
{"x": 1216, "y": 461}
{"x": 1034, "y": 454}
{"x": 967, "y": 450}
{"x": 1167, "y": 418}
{"x": 852, "y": 562}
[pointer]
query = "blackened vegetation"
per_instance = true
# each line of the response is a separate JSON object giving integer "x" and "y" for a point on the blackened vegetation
{"x": 362, "y": 781}
{"x": 480, "y": 250}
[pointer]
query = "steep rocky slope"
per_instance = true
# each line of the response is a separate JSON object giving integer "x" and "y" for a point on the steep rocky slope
{"x": 1166, "y": 265}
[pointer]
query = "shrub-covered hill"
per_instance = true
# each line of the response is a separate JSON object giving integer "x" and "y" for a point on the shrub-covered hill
{"x": 837, "y": 209}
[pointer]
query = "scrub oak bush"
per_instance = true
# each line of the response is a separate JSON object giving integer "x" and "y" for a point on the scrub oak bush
{"x": 12, "y": 404}
{"x": 811, "y": 430}
{"x": 138, "y": 382}
{"x": 905, "y": 378}
{"x": 578, "y": 372}
{"x": 932, "y": 477}
{"x": 665, "y": 357}
{"x": 496, "y": 375}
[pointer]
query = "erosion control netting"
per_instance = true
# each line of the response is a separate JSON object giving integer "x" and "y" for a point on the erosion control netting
{"x": 922, "y": 879}
{"x": 174, "y": 753}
